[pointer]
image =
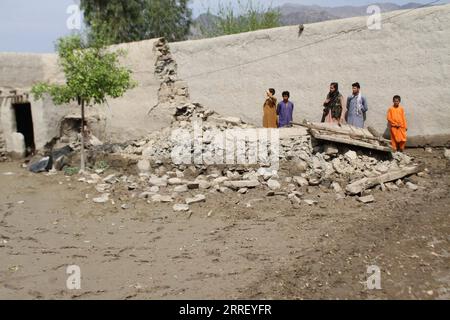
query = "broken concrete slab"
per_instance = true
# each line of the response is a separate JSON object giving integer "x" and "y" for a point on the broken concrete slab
{"x": 367, "y": 183}
{"x": 236, "y": 185}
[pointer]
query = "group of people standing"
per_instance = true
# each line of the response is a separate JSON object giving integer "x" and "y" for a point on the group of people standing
{"x": 337, "y": 110}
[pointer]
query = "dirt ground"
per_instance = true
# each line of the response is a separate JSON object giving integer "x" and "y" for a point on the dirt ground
{"x": 231, "y": 247}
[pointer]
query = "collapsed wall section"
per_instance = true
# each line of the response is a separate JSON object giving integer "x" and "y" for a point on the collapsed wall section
{"x": 148, "y": 107}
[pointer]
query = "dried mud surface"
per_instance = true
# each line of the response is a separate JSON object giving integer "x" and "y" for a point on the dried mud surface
{"x": 231, "y": 247}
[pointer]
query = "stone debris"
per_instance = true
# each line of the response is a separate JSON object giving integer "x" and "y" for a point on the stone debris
{"x": 161, "y": 198}
{"x": 197, "y": 199}
{"x": 102, "y": 199}
{"x": 447, "y": 153}
{"x": 236, "y": 185}
{"x": 273, "y": 184}
{"x": 243, "y": 190}
{"x": 367, "y": 199}
{"x": 306, "y": 164}
{"x": 412, "y": 186}
{"x": 311, "y": 202}
{"x": 336, "y": 187}
{"x": 181, "y": 207}
{"x": 181, "y": 189}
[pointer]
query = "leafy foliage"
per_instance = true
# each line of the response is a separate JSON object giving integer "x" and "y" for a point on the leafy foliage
{"x": 117, "y": 21}
{"x": 71, "y": 171}
{"x": 92, "y": 74}
{"x": 250, "y": 16}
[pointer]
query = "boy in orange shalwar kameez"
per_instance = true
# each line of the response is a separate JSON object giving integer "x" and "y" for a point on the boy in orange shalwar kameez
{"x": 397, "y": 122}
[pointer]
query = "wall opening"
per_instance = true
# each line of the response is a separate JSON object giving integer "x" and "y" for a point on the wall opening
{"x": 24, "y": 125}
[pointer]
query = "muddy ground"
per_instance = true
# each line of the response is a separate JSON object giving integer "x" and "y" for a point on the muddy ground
{"x": 231, "y": 247}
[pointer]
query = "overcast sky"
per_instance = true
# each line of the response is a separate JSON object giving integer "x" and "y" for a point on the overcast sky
{"x": 33, "y": 26}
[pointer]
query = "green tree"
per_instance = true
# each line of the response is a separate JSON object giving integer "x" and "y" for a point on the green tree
{"x": 93, "y": 74}
{"x": 117, "y": 21}
{"x": 249, "y": 16}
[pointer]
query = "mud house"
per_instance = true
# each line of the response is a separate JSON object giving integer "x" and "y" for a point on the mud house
{"x": 408, "y": 56}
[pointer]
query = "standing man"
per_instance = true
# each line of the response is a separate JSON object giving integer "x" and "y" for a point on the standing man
{"x": 334, "y": 106}
{"x": 356, "y": 107}
{"x": 398, "y": 126}
{"x": 285, "y": 111}
{"x": 270, "y": 110}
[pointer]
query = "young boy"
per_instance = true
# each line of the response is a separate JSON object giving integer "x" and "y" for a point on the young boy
{"x": 397, "y": 122}
{"x": 285, "y": 111}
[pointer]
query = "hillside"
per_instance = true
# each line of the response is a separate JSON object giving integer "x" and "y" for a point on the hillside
{"x": 294, "y": 14}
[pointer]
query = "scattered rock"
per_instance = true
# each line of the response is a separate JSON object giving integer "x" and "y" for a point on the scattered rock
{"x": 197, "y": 199}
{"x": 181, "y": 189}
{"x": 181, "y": 208}
{"x": 314, "y": 181}
{"x": 193, "y": 185}
{"x": 447, "y": 153}
{"x": 273, "y": 184}
{"x": 102, "y": 199}
{"x": 330, "y": 150}
{"x": 158, "y": 182}
{"x": 351, "y": 156}
{"x": 160, "y": 198}
{"x": 145, "y": 195}
{"x": 204, "y": 185}
{"x": 102, "y": 188}
{"x": 336, "y": 187}
{"x": 111, "y": 179}
{"x": 391, "y": 187}
{"x": 412, "y": 186}
{"x": 175, "y": 181}
{"x": 367, "y": 199}
{"x": 243, "y": 190}
{"x": 154, "y": 189}
{"x": 311, "y": 202}
{"x": 236, "y": 185}
{"x": 301, "y": 182}
{"x": 144, "y": 166}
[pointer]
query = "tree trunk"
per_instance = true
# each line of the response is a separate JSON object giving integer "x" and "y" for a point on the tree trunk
{"x": 83, "y": 159}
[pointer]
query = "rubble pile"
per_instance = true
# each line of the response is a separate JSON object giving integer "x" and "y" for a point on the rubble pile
{"x": 304, "y": 163}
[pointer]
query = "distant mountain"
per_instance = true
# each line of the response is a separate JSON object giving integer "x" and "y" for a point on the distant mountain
{"x": 294, "y": 14}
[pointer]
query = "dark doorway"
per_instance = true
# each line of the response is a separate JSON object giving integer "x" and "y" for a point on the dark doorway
{"x": 24, "y": 122}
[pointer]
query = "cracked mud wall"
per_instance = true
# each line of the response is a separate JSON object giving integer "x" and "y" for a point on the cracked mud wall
{"x": 408, "y": 56}
{"x": 150, "y": 106}
{"x": 121, "y": 119}
{"x": 19, "y": 72}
